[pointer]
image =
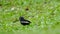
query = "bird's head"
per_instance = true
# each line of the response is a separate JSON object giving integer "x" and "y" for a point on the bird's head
{"x": 21, "y": 18}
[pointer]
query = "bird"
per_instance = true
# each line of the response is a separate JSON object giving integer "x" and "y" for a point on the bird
{"x": 24, "y": 21}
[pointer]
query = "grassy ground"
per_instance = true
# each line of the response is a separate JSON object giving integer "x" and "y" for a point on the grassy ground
{"x": 43, "y": 14}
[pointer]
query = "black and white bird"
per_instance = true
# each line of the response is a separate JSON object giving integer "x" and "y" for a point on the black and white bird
{"x": 24, "y": 21}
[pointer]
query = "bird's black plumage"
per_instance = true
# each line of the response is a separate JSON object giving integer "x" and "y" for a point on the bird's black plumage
{"x": 24, "y": 21}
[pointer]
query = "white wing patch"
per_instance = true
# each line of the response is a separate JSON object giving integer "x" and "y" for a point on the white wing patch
{"x": 24, "y": 22}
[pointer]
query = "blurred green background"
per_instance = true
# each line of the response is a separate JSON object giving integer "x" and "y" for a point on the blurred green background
{"x": 43, "y": 14}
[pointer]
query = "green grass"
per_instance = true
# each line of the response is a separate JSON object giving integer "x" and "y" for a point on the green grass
{"x": 43, "y": 14}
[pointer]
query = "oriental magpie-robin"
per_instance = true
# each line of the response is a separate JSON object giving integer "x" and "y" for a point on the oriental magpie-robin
{"x": 24, "y": 21}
